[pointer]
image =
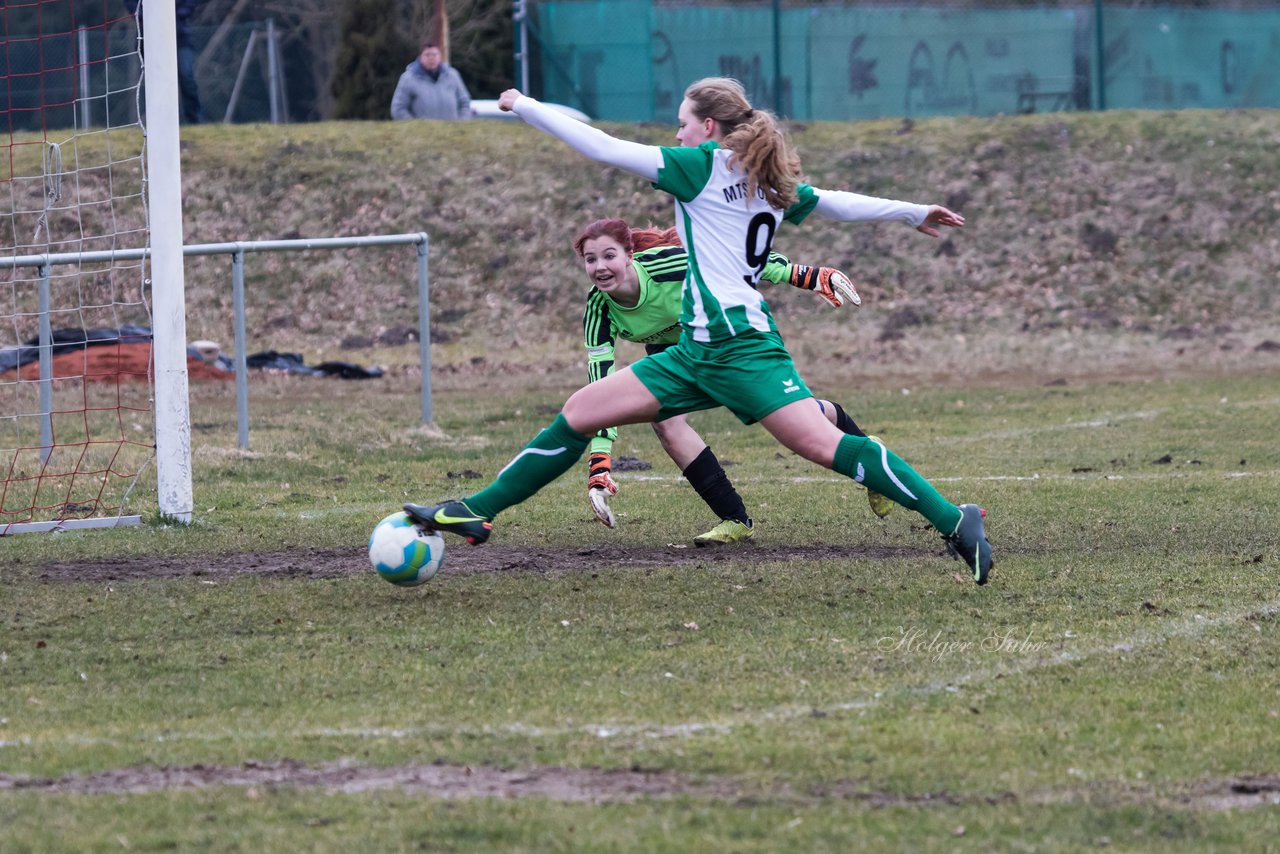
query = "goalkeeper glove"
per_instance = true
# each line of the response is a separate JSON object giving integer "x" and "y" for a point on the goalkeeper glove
{"x": 832, "y": 285}
{"x": 600, "y": 487}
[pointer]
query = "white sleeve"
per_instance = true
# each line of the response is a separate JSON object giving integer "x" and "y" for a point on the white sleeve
{"x": 855, "y": 207}
{"x": 636, "y": 158}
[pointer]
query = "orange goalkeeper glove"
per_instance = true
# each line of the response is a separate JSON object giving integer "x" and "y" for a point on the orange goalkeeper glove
{"x": 832, "y": 285}
{"x": 600, "y": 487}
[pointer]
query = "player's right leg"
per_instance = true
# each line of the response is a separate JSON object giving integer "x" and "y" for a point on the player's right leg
{"x": 615, "y": 400}
{"x": 835, "y": 413}
{"x": 810, "y": 435}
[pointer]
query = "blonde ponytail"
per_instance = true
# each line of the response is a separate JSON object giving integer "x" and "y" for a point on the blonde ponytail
{"x": 759, "y": 146}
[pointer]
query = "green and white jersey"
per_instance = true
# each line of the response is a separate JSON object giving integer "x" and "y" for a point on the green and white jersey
{"x": 726, "y": 234}
{"x": 728, "y": 238}
{"x": 653, "y": 320}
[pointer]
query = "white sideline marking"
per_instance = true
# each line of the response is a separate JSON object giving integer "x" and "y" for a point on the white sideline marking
{"x": 1191, "y": 627}
{"x": 1110, "y": 420}
{"x": 1091, "y": 424}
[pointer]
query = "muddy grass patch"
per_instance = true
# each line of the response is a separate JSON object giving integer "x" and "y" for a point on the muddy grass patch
{"x": 462, "y": 561}
{"x": 593, "y": 785}
{"x": 438, "y": 780}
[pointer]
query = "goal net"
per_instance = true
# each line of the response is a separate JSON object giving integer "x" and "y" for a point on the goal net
{"x": 88, "y": 379}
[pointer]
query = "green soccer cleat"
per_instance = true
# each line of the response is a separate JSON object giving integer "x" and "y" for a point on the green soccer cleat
{"x": 968, "y": 542}
{"x": 454, "y": 517}
{"x": 727, "y": 532}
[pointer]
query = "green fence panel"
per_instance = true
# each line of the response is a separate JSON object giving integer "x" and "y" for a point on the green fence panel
{"x": 1174, "y": 58}
{"x": 631, "y": 59}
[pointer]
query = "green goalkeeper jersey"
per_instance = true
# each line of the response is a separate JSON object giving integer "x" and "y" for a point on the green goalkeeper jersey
{"x": 655, "y": 318}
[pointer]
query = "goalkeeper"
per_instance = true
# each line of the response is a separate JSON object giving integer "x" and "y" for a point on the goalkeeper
{"x": 637, "y": 278}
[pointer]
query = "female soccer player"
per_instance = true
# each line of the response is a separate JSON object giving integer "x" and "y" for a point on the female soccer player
{"x": 637, "y": 277}
{"x": 734, "y": 178}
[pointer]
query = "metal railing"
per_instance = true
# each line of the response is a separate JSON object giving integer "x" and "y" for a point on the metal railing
{"x": 237, "y": 251}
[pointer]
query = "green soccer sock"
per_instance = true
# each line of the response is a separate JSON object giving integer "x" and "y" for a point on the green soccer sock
{"x": 883, "y": 471}
{"x": 551, "y": 453}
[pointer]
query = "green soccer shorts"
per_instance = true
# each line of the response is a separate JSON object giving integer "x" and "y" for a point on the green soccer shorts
{"x": 751, "y": 375}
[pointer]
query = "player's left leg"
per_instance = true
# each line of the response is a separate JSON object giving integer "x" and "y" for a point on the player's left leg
{"x": 835, "y": 413}
{"x": 706, "y": 475}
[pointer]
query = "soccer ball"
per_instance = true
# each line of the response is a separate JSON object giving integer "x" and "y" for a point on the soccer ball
{"x": 403, "y": 553}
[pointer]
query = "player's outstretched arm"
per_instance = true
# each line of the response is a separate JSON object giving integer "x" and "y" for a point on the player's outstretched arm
{"x": 634, "y": 157}
{"x": 855, "y": 207}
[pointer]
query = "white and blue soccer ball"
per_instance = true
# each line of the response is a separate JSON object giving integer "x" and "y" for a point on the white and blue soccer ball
{"x": 403, "y": 553}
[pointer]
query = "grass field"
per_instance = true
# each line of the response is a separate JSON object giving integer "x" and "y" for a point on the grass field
{"x": 1093, "y": 359}
{"x": 249, "y": 684}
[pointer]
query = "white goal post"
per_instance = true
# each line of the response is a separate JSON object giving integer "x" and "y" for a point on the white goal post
{"x": 169, "y": 308}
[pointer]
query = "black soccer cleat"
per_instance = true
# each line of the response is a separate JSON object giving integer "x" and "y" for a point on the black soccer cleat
{"x": 968, "y": 542}
{"x": 454, "y": 517}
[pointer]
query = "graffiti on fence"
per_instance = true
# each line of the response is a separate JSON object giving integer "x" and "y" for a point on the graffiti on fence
{"x": 1228, "y": 66}
{"x": 862, "y": 71}
{"x": 947, "y": 90}
{"x": 666, "y": 76}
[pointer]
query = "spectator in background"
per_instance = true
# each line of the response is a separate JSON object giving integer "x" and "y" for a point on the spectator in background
{"x": 430, "y": 88}
{"x": 189, "y": 110}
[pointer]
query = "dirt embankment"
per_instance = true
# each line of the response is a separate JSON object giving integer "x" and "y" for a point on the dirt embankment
{"x": 1094, "y": 242}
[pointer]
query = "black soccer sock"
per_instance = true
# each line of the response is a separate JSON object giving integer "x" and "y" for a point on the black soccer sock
{"x": 707, "y": 477}
{"x": 844, "y": 423}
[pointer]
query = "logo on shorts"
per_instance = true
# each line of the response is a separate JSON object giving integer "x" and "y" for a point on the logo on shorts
{"x": 789, "y": 386}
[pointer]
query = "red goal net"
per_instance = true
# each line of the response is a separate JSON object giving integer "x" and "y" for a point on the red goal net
{"x": 76, "y": 411}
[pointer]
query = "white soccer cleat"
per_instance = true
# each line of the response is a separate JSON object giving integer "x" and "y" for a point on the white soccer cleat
{"x": 600, "y": 506}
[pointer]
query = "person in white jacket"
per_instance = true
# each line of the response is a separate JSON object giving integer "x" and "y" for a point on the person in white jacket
{"x": 734, "y": 178}
{"x": 430, "y": 88}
